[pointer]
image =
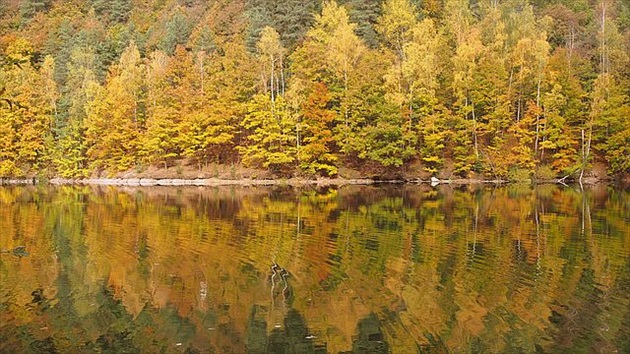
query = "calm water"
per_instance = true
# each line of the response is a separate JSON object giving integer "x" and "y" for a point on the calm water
{"x": 399, "y": 269}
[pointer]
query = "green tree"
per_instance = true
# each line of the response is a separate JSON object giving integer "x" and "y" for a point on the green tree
{"x": 177, "y": 31}
{"x": 113, "y": 11}
{"x": 611, "y": 128}
{"x": 221, "y": 84}
{"x": 365, "y": 14}
{"x": 69, "y": 156}
{"x": 291, "y": 18}
{"x": 411, "y": 85}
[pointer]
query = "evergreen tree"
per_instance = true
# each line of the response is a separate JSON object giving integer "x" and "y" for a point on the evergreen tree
{"x": 177, "y": 32}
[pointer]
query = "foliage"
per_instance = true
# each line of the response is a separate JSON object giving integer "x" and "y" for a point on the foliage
{"x": 484, "y": 87}
{"x": 315, "y": 154}
{"x": 453, "y": 261}
{"x": 271, "y": 138}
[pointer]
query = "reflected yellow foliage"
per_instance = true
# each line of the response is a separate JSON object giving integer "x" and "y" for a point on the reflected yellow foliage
{"x": 502, "y": 269}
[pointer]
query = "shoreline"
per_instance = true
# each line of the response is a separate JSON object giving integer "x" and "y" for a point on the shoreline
{"x": 178, "y": 182}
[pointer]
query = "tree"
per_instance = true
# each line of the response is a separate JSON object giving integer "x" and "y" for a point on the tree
{"x": 365, "y": 14}
{"x": 342, "y": 47}
{"x": 564, "y": 112}
{"x": 113, "y": 11}
{"x": 610, "y": 127}
{"x": 115, "y": 116}
{"x": 70, "y": 159}
{"x": 25, "y": 112}
{"x": 395, "y": 24}
{"x": 330, "y": 55}
{"x": 411, "y": 85}
{"x": 221, "y": 83}
{"x": 178, "y": 29}
{"x": 29, "y": 8}
{"x": 315, "y": 154}
{"x": 291, "y": 18}
{"x": 269, "y": 135}
{"x": 271, "y": 57}
{"x": 168, "y": 92}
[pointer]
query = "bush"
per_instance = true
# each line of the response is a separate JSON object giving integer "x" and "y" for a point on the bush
{"x": 179, "y": 169}
{"x": 519, "y": 175}
{"x": 545, "y": 172}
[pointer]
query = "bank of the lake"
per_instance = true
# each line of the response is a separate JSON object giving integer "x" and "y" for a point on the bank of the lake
{"x": 278, "y": 182}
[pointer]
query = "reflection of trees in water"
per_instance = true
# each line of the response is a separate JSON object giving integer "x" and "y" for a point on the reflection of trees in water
{"x": 369, "y": 338}
{"x": 109, "y": 328}
{"x": 295, "y": 337}
{"x": 420, "y": 252}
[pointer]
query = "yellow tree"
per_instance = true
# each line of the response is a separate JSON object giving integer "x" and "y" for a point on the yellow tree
{"x": 466, "y": 60}
{"x": 218, "y": 92}
{"x": 411, "y": 84}
{"x": 467, "y": 54}
{"x": 271, "y": 57}
{"x": 113, "y": 118}
{"x": 269, "y": 135}
{"x": 395, "y": 24}
{"x": 169, "y": 90}
{"x": 335, "y": 35}
{"x": 25, "y": 112}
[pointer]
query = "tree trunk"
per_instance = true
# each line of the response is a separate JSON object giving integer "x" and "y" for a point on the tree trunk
{"x": 537, "y": 117}
{"x": 273, "y": 99}
{"x": 586, "y": 150}
{"x": 603, "y": 51}
{"x": 474, "y": 117}
{"x": 282, "y": 73}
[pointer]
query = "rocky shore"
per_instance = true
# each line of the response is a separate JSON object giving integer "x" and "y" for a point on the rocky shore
{"x": 189, "y": 182}
{"x": 258, "y": 182}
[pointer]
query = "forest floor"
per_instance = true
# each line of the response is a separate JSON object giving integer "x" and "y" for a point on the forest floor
{"x": 184, "y": 173}
{"x": 412, "y": 172}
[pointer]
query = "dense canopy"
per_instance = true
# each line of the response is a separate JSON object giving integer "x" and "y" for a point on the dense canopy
{"x": 502, "y": 88}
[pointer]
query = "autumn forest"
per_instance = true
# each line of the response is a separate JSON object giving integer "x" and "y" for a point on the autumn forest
{"x": 509, "y": 89}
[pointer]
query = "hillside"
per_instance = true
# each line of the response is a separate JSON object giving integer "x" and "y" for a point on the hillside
{"x": 456, "y": 88}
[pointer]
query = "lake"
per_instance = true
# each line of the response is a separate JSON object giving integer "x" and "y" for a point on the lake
{"x": 354, "y": 269}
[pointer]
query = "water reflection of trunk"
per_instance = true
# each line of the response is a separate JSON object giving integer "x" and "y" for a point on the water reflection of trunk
{"x": 474, "y": 244}
{"x": 587, "y": 227}
{"x": 537, "y": 219}
{"x": 347, "y": 228}
{"x": 280, "y": 288}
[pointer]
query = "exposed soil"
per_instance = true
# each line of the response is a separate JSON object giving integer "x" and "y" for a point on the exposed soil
{"x": 185, "y": 173}
{"x": 183, "y": 170}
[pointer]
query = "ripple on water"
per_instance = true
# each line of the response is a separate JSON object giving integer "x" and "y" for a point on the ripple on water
{"x": 441, "y": 272}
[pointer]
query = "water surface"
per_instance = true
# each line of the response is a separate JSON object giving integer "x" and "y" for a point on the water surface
{"x": 399, "y": 269}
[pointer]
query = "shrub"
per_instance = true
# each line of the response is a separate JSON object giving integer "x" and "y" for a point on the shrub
{"x": 519, "y": 175}
{"x": 545, "y": 172}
